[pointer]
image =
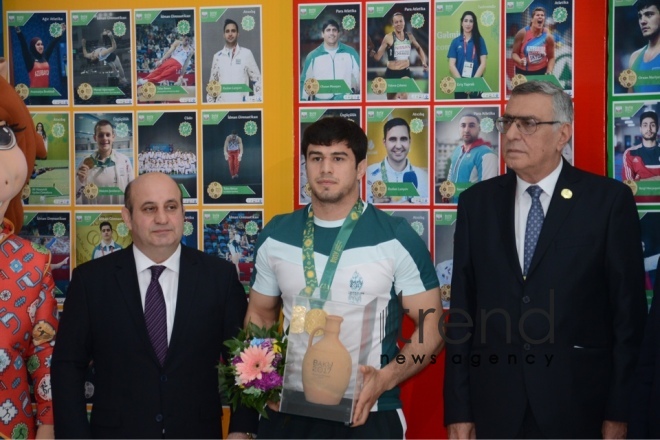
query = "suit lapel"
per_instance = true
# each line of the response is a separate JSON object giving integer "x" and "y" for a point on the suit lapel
{"x": 566, "y": 194}
{"x": 185, "y": 301}
{"x": 506, "y": 209}
{"x": 129, "y": 289}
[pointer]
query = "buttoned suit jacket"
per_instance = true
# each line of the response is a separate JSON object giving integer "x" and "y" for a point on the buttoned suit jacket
{"x": 134, "y": 396}
{"x": 564, "y": 339}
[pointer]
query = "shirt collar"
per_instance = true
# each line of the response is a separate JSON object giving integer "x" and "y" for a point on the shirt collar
{"x": 547, "y": 184}
{"x": 142, "y": 262}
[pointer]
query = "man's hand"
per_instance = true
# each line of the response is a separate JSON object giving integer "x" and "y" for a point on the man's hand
{"x": 240, "y": 157}
{"x": 226, "y": 156}
{"x": 461, "y": 431}
{"x": 614, "y": 430}
{"x": 45, "y": 432}
{"x": 373, "y": 385}
{"x": 82, "y": 173}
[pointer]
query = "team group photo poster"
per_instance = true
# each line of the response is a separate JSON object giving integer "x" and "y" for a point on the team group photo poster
{"x": 329, "y": 52}
{"x": 167, "y": 143}
{"x": 231, "y": 54}
{"x": 398, "y": 36}
{"x": 38, "y": 56}
{"x": 307, "y": 116}
{"x": 49, "y": 179}
{"x": 467, "y": 50}
{"x": 233, "y": 170}
{"x": 101, "y": 53}
{"x": 165, "y": 56}
{"x": 398, "y": 155}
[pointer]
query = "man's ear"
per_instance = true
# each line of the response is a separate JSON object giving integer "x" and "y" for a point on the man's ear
{"x": 361, "y": 169}
{"x": 126, "y": 216}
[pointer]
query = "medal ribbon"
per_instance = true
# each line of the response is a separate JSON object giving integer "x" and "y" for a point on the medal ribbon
{"x": 311, "y": 282}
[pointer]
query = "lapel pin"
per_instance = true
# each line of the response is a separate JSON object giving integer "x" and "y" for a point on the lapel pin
{"x": 566, "y": 193}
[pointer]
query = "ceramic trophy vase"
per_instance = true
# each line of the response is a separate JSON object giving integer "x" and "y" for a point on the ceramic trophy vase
{"x": 326, "y": 369}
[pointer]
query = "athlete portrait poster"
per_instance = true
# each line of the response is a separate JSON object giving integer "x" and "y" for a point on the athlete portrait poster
{"x": 398, "y": 63}
{"x": 38, "y": 56}
{"x": 635, "y": 62}
{"x": 233, "y": 157}
{"x": 467, "y": 149}
{"x": 445, "y": 226}
{"x": 418, "y": 220}
{"x": 167, "y": 143}
{"x": 539, "y": 42}
{"x": 101, "y": 52}
{"x": 49, "y": 179}
{"x": 308, "y": 116}
{"x": 634, "y": 151}
{"x": 232, "y": 236}
{"x": 52, "y": 230}
{"x": 99, "y": 234}
{"x": 104, "y": 162}
{"x": 190, "y": 229}
{"x": 329, "y": 52}
{"x": 231, "y": 54}
{"x": 398, "y": 155}
{"x": 649, "y": 222}
{"x": 467, "y": 50}
{"x": 165, "y": 56}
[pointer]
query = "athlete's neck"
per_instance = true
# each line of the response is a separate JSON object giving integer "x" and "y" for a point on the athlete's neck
{"x": 398, "y": 166}
{"x": 650, "y": 143}
{"x": 400, "y": 35}
{"x": 231, "y": 45}
{"x": 467, "y": 35}
{"x": 331, "y": 46}
{"x": 104, "y": 155}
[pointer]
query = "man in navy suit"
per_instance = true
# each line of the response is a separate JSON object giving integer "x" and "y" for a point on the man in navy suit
{"x": 548, "y": 301}
{"x": 151, "y": 381}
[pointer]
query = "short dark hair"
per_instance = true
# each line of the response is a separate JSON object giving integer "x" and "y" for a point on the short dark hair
{"x": 539, "y": 8}
{"x": 228, "y": 22}
{"x": 649, "y": 114}
{"x": 395, "y": 122}
{"x": 329, "y": 22}
{"x": 105, "y": 224}
{"x": 471, "y": 115}
{"x": 103, "y": 123}
{"x": 332, "y": 130}
{"x": 643, "y": 4}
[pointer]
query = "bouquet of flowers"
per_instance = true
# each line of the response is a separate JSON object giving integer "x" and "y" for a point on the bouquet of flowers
{"x": 254, "y": 372}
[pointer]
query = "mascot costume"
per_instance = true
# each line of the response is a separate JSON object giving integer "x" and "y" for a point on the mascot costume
{"x": 28, "y": 310}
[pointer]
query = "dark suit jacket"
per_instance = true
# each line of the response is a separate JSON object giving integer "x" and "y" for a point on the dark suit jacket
{"x": 566, "y": 338}
{"x": 645, "y": 408}
{"x": 134, "y": 396}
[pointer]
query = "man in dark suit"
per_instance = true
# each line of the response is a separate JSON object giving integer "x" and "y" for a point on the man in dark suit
{"x": 645, "y": 408}
{"x": 548, "y": 302}
{"x": 152, "y": 318}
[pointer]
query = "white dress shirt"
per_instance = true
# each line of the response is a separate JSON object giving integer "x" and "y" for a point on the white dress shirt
{"x": 524, "y": 202}
{"x": 169, "y": 281}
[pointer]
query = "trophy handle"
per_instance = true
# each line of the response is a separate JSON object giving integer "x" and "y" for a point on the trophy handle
{"x": 311, "y": 336}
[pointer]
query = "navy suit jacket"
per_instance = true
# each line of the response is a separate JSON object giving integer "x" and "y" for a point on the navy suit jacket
{"x": 136, "y": 397}
{"x": 565, "y": 339}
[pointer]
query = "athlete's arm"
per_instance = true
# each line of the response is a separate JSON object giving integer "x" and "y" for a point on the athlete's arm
{"x": 550, "y": 51}
{"x": 416, "y": 45}
{"x": 254, "y": 74}
{"x": 84, "y": 49}
{"x": 516, "y": 49}
{"x": 27, "y": 56}
{"x": 388, "y": 40}
{"x": 452, "y": 68}
{"x": 263, "y": 310}
{"x": 51, "y": 46}
{"x": 488, "y": 167}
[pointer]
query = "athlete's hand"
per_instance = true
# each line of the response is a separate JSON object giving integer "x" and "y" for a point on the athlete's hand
{"x": 82, "y": 172}
{"x": 240, "y": 157}
{"x": 226, "y": 157}
{"x": 372, "y": 387}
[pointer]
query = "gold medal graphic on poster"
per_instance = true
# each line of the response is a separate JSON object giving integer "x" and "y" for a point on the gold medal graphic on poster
{"x": 632, "y": 185}
{"x": 214, "y": 190}
{"x": 378, "y": 189}
{"x": 213, "y": 88}
{"x": 447, "y": 189}
{"x": 517, "y": 80}
{"x": 566, "y": 193}
{"x": 311, "y": 86}
{"x": 22, "y": 90}
{"x": 85, "y": 91}
{"x": 445, "y": 292}
{"x": 91, "y": 191}
{"x": 378, "y": 85}
{"x": 297, "y": 324}
{"x": 25, "y": 193}
{"x": 315, "y": 318}
{"x": 308, "y": 189}
{"x": 148, "y": 90}
{"x": 627, "y": 78}
{"x": 448, "y": 85}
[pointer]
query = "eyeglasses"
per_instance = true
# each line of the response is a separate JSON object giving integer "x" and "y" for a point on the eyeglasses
{"x": 525, "y": 125}
{"x": 7, "y": 138}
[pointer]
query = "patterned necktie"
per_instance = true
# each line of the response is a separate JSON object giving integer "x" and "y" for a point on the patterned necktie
{"x": 534, "y": 225}
{"x": 155, "y": 314}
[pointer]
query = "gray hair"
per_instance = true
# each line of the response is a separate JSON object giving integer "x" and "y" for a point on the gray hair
{"x": 561, "y": 102}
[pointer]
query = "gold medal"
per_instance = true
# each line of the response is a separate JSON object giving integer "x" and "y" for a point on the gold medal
{"x": 85, "y": 91}
{"x": 89, "y": 162}
{"x": 566, "y": 193}
{"x": 214, "y": 190}
{"x": 379, "y": 189}
{"x": 315, "y": 318}
{"x": 213, "y": 88}
{"x": 627, "y": 78}
{"x": 25, "y": 194}
{"x": 308, "y": 189}
{"x": 632, "y": 185}
{"x": 447, "y": 189}
{"x": 22, "y": 90}
{"x": 311, "y": 86}
{"x": 517, "y": 80}
{"x": 297, "y": 324}
{"x": 148, "y": 90}
{"x": 445, "y": 292}
{"x": 379, "y": 85}
{"x": 448, "y": 85}
{"x": 91, "y": 191}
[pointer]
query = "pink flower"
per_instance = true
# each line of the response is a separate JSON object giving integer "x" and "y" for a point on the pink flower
{"x": 256, "y": 360}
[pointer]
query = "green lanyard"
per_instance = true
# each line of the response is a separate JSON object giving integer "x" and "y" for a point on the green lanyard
{"x": 311, "y": 282}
